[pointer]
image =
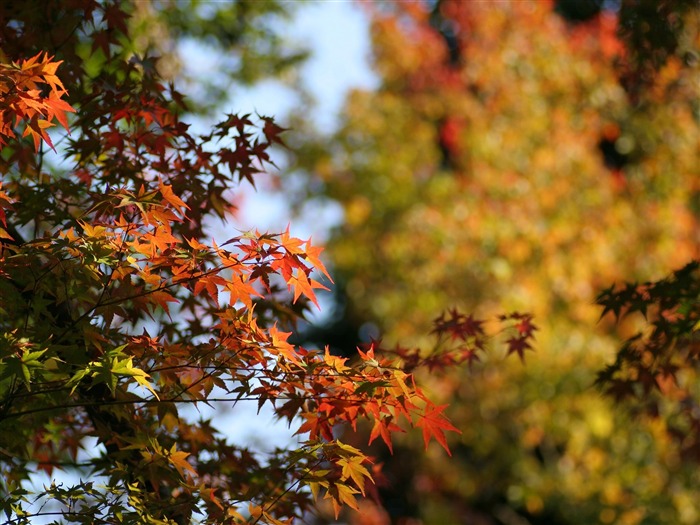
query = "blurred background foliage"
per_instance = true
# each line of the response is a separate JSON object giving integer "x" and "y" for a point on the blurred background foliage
{"x": 246, "y": 39}
{"x": 521, "y": 156}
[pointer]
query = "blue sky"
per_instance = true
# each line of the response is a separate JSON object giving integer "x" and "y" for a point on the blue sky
{"x": 337, "y": 33}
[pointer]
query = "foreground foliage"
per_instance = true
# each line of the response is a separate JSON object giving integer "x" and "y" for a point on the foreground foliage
{"x": 117, "y": 314}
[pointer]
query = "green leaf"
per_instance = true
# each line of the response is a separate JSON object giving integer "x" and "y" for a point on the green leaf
{"x": 126, "y": 368}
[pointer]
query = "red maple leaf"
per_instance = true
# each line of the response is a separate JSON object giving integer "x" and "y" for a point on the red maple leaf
{"x": 518, "y": 345}
{"x": 433, "y": 422}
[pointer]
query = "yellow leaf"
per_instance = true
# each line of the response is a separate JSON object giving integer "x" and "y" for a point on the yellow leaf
{"x": 353, "y": 469}
{"x": 179, "y": 460}
{"x": 339, "y": 495}
{"x": 233, "y": 513}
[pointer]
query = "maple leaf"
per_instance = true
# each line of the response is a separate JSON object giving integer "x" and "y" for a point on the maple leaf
{"x": 178, "y": 458}
{"x": 433, "y": 423}
{"x": 57, "y": 108}
{"x": 458, "y": 325}
{"x": 291, "y": 244}
{"x": 335, "y": 362}
{"x": 280, "y": 344}
{"x": 5, "y": 204}
{"x": 312, "y": 254}
{"x": 518, "y": 345}
{"x": 384, "y": 427}
{"x": 162, "y": 298}
{"x": 169, "y": 196}
{"x": 315, "y": 425}
{"x": 525, "y": 327}
{"x": 272, "y": 131}
{"x": 303, "y": 285}
{"x": 126, "y": 368}
{"x": 353, "y": 468}
{"x": 612, "y": 301}
{"x": 48, "y": 71}
{"x": 340, "y": 494}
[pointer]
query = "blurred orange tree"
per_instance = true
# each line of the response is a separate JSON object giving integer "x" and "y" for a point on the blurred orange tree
{"x": 524, "y": 156}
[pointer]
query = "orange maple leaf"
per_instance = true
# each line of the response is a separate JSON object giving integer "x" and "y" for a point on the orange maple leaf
{"x": 303, "y": 285}
{"x": 433, "y": 422}
{"x": 384, "y": 427}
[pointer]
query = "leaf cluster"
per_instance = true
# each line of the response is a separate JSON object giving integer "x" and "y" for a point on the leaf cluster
{"x": 655, "y": 371}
